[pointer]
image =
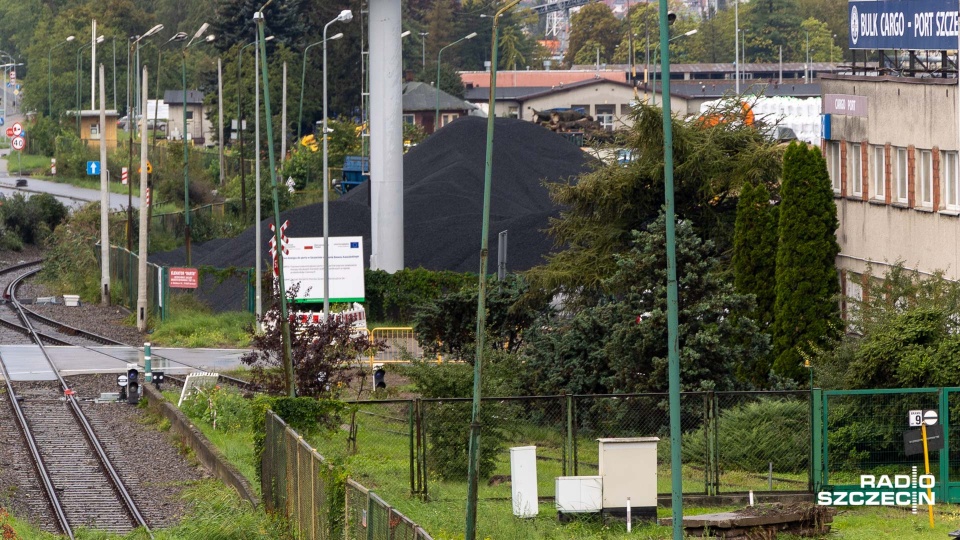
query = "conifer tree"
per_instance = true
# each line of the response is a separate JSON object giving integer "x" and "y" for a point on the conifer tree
{"x": 806, "y": 309}
{"x": 754, "y": 260}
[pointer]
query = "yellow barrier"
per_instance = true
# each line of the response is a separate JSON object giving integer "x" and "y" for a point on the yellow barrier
{"x": 402, "y": 346}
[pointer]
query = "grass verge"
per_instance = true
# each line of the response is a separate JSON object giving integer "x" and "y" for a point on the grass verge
{"x": 192, "y": 325}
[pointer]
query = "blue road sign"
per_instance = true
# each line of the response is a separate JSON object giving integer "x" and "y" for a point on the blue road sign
{"x": 1, "y": 120}
{"x": 93, "y": 167}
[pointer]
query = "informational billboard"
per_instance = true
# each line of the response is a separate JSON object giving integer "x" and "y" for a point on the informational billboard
{"x": 903, "y": 24}
{"x": 304, "y": 265}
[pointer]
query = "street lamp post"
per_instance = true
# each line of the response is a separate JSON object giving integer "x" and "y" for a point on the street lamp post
{"x": 303, "y": 74}
{"x": 423, "y": 48}
{"x": 243, "y": 175}
{"x": 50, "y": 73}
{"x": 673, "y": 341}
{"x": 344, "y": 16}
{"x": 473, "y": 458}
{"x": 79, "y": 67}
{"x": 186, "y": 149}
{"x": 135, "y": 42}
{"x": 656, "y": 54}
{"x": 179, "y": 36}
{"x": 436, "y": 115}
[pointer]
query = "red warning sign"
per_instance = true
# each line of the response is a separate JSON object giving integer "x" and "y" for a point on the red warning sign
{"x": 184, "y": 278}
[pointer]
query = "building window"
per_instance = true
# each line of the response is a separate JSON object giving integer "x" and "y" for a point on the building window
{"x": 626, "y": 109}
{"x": 833, "y": 164}
{"x": 409, "y": 119}
{"x": 513, "y": 111}
{"x": 856, "y": 171}
{"x": 582, "y": 109}
{"x": 879, "y": 172}
{"x": 446, "y": 118}
{"x": 950, "y": 180}
{"x": 903, "y": 176}
{"x": 189, "y": 115}
{"x": 95, "y": 131}
{"x": 605, "y": 115}
{"x": 926, "y": 178}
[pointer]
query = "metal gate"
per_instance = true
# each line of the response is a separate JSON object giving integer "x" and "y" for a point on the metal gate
{"x": 861, "y": 432}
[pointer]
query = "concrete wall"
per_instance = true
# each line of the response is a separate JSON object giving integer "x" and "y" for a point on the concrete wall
{"x": 617, "y": 95}
{"x": 205, "y": 452}
{"x": 199, "y": 126}
{"x": 916, "y": 114}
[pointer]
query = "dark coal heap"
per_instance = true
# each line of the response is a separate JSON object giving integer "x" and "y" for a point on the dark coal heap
{"x": 442, "y": 201}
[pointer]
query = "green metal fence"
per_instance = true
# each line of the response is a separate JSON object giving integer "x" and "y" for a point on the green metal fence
{"x": 298, "y": 482}
{"x": 862, "y": 432}
{"x": 733, "y": 442}
{"x": 124, "y": 273}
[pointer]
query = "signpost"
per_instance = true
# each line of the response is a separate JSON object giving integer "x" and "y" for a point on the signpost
{"x": 93, "y": 168}
{"x": 17, "y": 129}
{"x": 184, "y": 278}
{"x": 303, "y": 263}
{"x": 123, "y": 175}
{"x": 923, "y": 440}
{"x": 18, "y": 143}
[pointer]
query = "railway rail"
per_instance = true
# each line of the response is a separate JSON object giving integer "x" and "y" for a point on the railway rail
{"x": 77, "y": 476}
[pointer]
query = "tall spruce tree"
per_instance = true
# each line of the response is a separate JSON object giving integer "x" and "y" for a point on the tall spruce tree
{"x": 754, "y": 261}
{"x": 806, "y": 309}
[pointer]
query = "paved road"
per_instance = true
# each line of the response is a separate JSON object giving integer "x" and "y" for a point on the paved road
{"x": 71, "y": 196}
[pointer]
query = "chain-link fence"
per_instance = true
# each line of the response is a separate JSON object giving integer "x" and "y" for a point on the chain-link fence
{"x": 864, "y": 433}
{"x": 300, "y": 483}
{"x": 732, "y": 442}
{"x": 124, "y": 272}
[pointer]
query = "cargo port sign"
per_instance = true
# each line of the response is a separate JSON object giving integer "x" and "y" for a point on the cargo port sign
{"x": 303, "y": 264}
{"x": 906, "y": 25}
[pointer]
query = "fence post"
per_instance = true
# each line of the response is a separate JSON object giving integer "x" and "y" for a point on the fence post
{"x": 714, "y": 441}
{"x": 370, "y": 515}
{"x": 410, "y": 430}
{"x": 424, "y": 470}
{"x": 707, "y": 470}
{"x": 568, "y": 443}
{"x": 818, "y": 442}
{"x": 944, "y": 478}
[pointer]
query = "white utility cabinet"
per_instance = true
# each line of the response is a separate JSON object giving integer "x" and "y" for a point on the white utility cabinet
{"x": 523, "y": 481}
{"x": 576, "y": 494}
{"x": 628, "y": 467}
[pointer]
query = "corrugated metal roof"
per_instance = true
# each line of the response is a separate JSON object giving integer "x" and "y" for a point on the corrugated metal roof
{"x": 718, "y": 89}
{"x": 175, "y": 97}
{"x": 543, "y": 79}
{"x": 418, "y": 96}
{"x": 522, "y": 94}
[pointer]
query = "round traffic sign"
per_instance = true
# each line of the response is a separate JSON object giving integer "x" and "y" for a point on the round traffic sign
{"x": 121, "y": 380}
{"x": 929, "y": 417}
{"x": 17, "y": 129}
{"x": 9, "y": 132}
{"x": 18, "y": 143}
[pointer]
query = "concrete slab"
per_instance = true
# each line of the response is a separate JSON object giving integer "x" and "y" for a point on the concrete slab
{"x": 26, "y": 363}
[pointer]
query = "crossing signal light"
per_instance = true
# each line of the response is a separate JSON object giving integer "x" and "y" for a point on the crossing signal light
{"x": 133, "y": 386}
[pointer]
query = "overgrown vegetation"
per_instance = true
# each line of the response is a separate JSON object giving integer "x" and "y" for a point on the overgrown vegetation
{"x": 321, "y": 353}
{"x": 28, "y": 220}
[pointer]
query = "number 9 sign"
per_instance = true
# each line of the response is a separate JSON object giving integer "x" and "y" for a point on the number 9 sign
{"x": 18, "y": 143}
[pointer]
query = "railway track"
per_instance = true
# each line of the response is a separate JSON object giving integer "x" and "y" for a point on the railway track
{"x": 77, "y": 476}
{"x": 13, "y": 316}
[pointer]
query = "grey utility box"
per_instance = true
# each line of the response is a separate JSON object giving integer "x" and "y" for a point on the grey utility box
{"x": 628, "y": 467}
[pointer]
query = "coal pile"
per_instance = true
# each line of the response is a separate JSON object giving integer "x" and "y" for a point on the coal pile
{"x": 442, "y": 201}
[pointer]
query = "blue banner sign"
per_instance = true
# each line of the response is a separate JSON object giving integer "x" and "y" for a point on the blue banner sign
{"x": 903, "y": 24}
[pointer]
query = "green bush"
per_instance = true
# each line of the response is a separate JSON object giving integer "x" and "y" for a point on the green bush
{"x": 32, "y": 219}
{"x": 43, "y": 136}
{"x": 72, "y": 156}
{"x": 448, "y": 422}
{"x": 752, "y": 435}
{"x": 396, "y": 297}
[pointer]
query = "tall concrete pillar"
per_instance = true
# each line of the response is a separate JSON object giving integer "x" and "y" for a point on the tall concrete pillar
{"x": 386, "y": 136}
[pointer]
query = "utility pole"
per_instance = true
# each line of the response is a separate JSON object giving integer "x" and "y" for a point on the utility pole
{"x": 104, "y": 201}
